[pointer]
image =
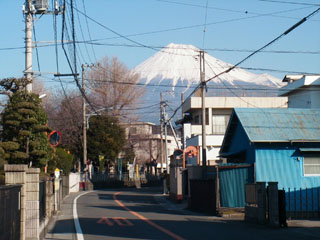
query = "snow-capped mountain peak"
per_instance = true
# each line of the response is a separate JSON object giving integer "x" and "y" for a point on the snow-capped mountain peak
{"x": 179, "y": 64}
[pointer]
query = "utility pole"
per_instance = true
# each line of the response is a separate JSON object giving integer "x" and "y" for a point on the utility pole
{"x": 161, "y": 132}
{"x": 29, "y": 9}
{"x": 203, "y": 106}
{"x": 166, "y": 140}
{"x": 84, "y": 118}
{"x": 28, "y": 45}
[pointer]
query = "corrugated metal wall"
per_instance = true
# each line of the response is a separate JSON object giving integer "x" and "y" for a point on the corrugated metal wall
{"x": 284, "y": 166}
{"x": 232, "y": 184}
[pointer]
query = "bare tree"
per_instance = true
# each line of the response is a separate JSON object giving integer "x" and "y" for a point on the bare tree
{"x": 65, "y": 115}
{"x": 114, "y": 86}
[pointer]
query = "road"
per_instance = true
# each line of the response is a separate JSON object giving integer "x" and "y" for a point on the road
{"x": 135, "y": 214}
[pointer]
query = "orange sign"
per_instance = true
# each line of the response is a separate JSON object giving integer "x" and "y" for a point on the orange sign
{"x": 191, "y": 151}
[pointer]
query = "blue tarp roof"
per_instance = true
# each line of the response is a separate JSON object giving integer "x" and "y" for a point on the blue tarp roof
{"x": 280, "y": 124}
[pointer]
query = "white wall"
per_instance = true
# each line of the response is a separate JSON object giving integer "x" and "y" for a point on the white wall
{"x": 74, "y": 180}
{"x": 213, "y": 142}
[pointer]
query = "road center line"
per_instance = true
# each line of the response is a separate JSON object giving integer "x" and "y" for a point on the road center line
{"x": 171, "y": 234}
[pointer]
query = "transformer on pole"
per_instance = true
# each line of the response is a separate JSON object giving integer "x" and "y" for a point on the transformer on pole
{"x": 31, "y": 8}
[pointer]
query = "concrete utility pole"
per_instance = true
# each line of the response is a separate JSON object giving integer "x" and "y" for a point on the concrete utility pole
{"x": 29, "y": 9}
{"x": 166, "y": 140}
{"x": 203, "y": 106}
{"x": 84, "y": 118}
{"x": 28, "y": 45}
{"x": 161, "y": 132}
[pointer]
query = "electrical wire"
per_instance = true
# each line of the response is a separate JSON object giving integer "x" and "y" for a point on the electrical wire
{"x": 228, "y": 70}
{"x": 205, "y": 49}
{"x": 80, "y": 27}
{"x": 88, "y": 29}
{"x": 121, "y": 35}
{"x": 35, "y": 38}
{"x": 74, "y": 71}
{"x": 295, "y": 3}
{"x": 268, "y": 44}
{"x": 205, "y": 25}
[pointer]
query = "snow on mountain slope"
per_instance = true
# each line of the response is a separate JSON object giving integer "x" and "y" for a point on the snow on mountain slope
{"x": 179, "y": 64}
{"x": 177, "y": 68}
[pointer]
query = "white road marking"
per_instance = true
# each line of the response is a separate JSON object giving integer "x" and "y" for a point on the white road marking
{"x": 76, "y": 219}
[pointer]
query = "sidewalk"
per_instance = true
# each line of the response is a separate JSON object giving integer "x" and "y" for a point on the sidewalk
{"x": 61, "y": 225}
{"x": 309, "y": 228}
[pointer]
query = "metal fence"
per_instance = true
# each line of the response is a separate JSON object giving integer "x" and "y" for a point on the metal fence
{"x": 303, "y": 203}
{"x": 10, "y": 211}
{"x": 42, "y": 200}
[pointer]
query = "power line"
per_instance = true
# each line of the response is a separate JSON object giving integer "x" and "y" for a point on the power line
{"x": 88, "y": 29}
{"x": 35, "y": 38}
{"x": 205, "y": 25}
{"x": 74, "y": 71}
{"x": 80, "y": 26}
{"x": 194, "y": 86}
{"x": 295, "y": 3}
{"x": 111, "y": 30}
{"x": 205, "y": 49}
{"x": 268, "y": 44}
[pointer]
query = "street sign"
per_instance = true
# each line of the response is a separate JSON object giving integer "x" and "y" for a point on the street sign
{"x": 54, "y": 138}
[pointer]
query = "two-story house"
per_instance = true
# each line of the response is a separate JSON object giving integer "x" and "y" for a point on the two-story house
{"x": 218, "y": 112}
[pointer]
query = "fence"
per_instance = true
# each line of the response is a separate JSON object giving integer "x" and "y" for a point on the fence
{"x": 203, "y": 196}
{"x": 42, "y": 200}
{"x": 10, "y": 212}
{"x": 303, "y": 203}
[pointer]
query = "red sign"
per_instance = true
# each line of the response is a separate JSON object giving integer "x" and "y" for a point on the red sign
{"x": 54, "y": 138}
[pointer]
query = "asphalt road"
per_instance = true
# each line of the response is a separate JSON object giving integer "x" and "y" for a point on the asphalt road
{"x": 135, "y": 214}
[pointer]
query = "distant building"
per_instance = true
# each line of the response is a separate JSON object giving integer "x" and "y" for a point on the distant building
{"x": 145, "y": 140}
{"x": 303, "y": 91}
{"x": 218, "y": 112}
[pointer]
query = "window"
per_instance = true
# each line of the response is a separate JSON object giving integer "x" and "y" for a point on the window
{"x": 311, "y": 165}
{"x": 197, "y": 119}
{"x": 133, "y": 130}
{"x": 220, "y": 123}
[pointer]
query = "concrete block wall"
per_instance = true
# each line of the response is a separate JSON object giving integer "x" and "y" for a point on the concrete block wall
{"x": 29, "y": 179}
{"x": 16, "y": 174}
{"x": 176, "y": 184}
{"x": 32, "y": 204}
{"x": 194, "y": 172}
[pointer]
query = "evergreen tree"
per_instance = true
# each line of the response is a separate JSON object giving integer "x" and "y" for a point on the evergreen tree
{"x": 61, "y": 159}
{"x": 105, "y": 137}
{"x": 24, "y": 130}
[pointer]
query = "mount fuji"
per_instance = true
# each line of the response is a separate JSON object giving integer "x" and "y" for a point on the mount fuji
{"x": 176, "y": 68}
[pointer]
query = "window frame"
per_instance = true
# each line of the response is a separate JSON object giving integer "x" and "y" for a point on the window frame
{"x": 310, "y": 155}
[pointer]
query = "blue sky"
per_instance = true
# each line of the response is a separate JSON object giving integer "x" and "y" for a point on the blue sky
{"x": 232, "y": 25}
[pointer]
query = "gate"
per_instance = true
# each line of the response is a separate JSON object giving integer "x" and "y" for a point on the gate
{"x": 232, "y": 178}
{"x": 10, "y": 212}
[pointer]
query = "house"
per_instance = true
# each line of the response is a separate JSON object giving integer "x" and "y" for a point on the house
{"x": 145, "y": 140}
{"x": 218, "y": 111}
{"x": 302, "y": 91}
{"x": 283, "y": 145}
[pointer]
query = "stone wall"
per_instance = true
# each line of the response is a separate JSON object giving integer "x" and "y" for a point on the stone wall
{"x": 16, "y": 174}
